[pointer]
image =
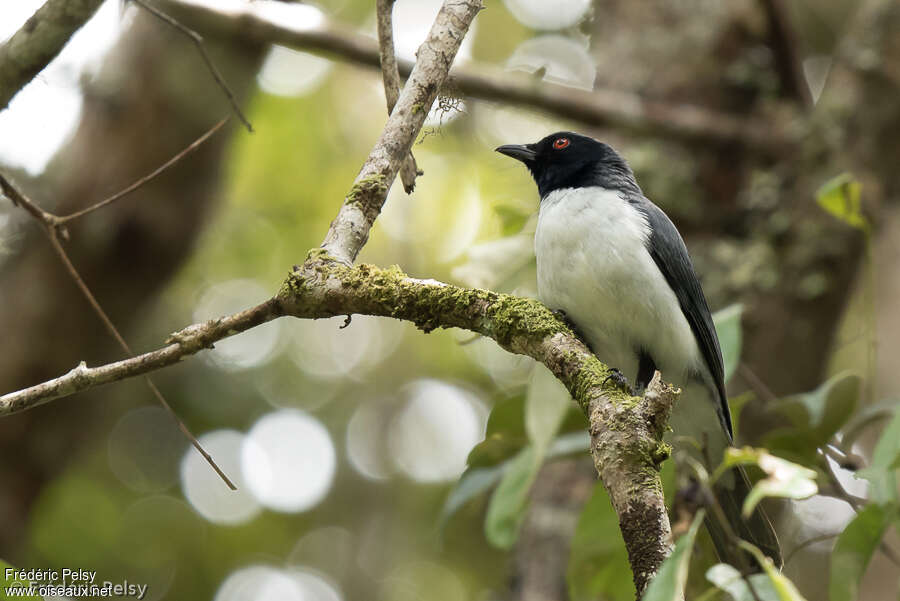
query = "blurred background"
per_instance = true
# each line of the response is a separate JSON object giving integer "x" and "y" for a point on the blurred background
{"x": 345, "y": 442}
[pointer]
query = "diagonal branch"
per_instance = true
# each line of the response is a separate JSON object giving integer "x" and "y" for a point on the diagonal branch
{"x": 391, "y": 75}
{"x": 38, "y": 42}
{"x": 61, "y": 221}
{"x": 180, "y": 345}
{"x": 350, "y": 229}
{"x": 602, "y": 107}
{"x": 626, "y": 431}
{"x": 54, "y": 227}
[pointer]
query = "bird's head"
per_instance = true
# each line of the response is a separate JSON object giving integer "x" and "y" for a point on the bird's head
{"x": 569, "y": 160}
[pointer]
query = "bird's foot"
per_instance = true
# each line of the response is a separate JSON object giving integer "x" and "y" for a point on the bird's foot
{"x": 619, "y": 380}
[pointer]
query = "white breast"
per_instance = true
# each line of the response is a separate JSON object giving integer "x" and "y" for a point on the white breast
{"x": 593, "y": 264}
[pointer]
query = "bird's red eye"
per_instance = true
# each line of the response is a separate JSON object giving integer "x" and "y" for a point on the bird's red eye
{"x": 560, "y": 143}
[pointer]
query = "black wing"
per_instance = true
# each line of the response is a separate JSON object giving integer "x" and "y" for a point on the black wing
{"x": 671, "y": 257}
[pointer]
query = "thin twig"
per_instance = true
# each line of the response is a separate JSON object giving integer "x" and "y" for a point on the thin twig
{"x": 197, "y": 39}
{"x": 390, "y": 73}
{"x": 179, "y": 345}
{"x": 51, "y": 225}
{"x": 111, "y": 328}
{"x": 150, "y": 176}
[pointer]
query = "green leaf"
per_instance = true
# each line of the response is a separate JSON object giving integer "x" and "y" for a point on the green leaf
{"x": 471, "y": 484}
{"x": 728, "y": 327}
{"x": 476, "y": 480}
{"x": 505, "y": 434}
{"x": 546, "y": 404}
{"x": 853, "y": 550}
{"x": 727, "y": 578}
{"x": 507, "y": 506}
{"x": 868, "y": 415}
{"x": 6, "y": 583}
{"x": 784, "y": 478}
{"x": 598, "y": 563}
{"x": 783, "y": 587}
{"x": 571, "y": 443}
{"x": 880, "y": 473}
{"x": 512, "y": 218}
{"x": 736, "y": 404}
{"x": 841, "y": 197}
{"x": 668, "y": 584}
{"x": 816, "y": 416}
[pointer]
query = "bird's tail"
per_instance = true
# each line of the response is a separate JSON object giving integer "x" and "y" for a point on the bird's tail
{"x": 756, "y": 529}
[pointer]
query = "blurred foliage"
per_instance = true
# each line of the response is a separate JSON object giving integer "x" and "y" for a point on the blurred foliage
{"x": 669, "y": 583}
{"x": 598, "y": 565}
{"x": 470, "y": 221}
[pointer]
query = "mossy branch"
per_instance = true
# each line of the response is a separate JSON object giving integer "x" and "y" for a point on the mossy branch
{"x": 627, "y": 432}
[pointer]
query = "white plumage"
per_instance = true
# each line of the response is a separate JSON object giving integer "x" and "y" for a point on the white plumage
{"x": 593, "y": 264}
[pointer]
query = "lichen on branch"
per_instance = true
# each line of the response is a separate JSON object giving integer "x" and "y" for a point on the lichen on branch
{"x": 626, "y": 431}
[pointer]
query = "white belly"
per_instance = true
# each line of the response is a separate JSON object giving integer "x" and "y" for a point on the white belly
{"x": 592, "y": 263}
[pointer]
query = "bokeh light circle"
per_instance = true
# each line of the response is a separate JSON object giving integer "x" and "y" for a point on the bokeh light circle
{"x": 366, "y": 445}
{"x": 288, "y": 460}
{"x": 315, "y": 586}
{"x": 541, "y": 14}
{"x": 565, "y": 61}
{"x": 287, "y": 72}
{"x": 203, "y": 488}
{"x": 431, "y": 437}
{"x": 328, "y": 349}
{"x": 259, "y": 583}
{"x": 247, "y": 349}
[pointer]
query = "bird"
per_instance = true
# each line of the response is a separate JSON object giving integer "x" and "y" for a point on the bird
{"x": 620, "y": 273}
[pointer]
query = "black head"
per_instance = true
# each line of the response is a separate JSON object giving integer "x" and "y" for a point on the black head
{"x": 569, "y": 160}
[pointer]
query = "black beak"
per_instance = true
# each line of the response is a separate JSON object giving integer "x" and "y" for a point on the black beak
{"x": 520, "y": 152}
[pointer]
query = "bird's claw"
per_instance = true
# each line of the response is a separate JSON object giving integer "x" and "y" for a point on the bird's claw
{"x": 620, "y": 381}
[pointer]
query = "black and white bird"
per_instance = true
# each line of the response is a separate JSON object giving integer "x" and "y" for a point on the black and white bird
{"x": 614, "y": 263}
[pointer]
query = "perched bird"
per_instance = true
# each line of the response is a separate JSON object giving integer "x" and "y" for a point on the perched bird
{"x": 615, "y": 265}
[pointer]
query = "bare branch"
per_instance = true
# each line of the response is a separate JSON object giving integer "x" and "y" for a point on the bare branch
{"x": 787, "y": 55}
{"x": 626, "y": 432}
{"x": 20, "y": 200}
{"x": 52, "y": 227}
{"x": 181, "y": 344}
{"x": 391, "y": 75}
{"x": 197, "y": 39}
{"x": 114, "y": 332}
{"x": 150, "y": 176}
{"x": 350, "y": 229}
{"x": 602, "y": 107}
{"x": 38, "y": 42}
